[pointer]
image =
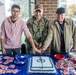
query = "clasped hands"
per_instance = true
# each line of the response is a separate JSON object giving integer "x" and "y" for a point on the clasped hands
{"x": 38, "y": 49}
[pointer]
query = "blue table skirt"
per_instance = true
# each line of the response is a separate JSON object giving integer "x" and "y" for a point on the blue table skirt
{"x": 24, "y": 68}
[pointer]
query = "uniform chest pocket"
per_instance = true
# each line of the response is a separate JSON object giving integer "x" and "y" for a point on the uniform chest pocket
{"x": 35, "y": 28}
{"x": 42, "y": 27}
{"x": 38, "y": 28}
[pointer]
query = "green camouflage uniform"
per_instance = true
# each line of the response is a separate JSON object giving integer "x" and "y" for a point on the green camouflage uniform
{"x": 39, "y": 32}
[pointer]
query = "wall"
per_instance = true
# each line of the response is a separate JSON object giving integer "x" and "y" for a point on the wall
{"x": 50, "y": 7}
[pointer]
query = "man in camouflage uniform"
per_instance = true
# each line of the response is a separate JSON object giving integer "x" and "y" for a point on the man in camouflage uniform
{"x": 38, "y": 26}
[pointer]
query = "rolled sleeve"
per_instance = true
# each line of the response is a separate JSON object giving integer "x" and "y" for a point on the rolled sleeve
{"x": 26, "y": 31}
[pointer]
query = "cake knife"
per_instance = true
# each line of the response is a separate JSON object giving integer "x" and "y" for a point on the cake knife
{"x": 41, "y": 61}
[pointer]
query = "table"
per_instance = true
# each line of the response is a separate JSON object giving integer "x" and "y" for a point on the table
{"x": 23, "y": 68}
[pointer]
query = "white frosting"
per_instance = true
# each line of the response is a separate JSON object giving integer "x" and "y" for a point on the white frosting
{"x": 46, "y": 66}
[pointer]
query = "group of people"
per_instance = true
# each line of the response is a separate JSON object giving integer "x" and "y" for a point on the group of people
{"x": 59, "y": 34}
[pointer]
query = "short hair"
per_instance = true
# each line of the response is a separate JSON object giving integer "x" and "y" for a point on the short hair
{"x": 15, "y": 6}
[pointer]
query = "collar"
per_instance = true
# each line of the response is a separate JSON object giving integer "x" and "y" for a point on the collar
{"x": 9, "y": 19}
{"x": 35, "y": 18}
{"x": 66, "y": 21}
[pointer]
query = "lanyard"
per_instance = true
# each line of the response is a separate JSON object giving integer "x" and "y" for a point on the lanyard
{"x": 62, "y": 31}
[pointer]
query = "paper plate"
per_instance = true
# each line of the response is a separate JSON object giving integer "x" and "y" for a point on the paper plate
{"x": 59, "y": 56}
